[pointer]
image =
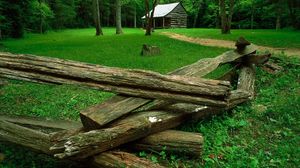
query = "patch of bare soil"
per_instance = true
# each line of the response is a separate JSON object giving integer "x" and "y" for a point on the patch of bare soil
{"x": 229, "y": 44}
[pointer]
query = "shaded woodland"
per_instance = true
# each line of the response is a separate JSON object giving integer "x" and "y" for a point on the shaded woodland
{"x": 40, "y": 16}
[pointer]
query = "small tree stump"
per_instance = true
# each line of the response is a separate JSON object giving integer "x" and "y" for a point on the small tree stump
{"x": 148, "y": 50}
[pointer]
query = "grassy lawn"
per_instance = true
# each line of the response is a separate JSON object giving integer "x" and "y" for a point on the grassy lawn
{"x": 272, "y": 38}
{"x": 262, "y": 133}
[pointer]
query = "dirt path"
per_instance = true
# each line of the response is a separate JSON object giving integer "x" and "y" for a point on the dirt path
{"x": 228, "y": 44}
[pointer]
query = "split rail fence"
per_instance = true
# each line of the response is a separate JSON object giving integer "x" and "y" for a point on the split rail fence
{"x": 140, "y": 117}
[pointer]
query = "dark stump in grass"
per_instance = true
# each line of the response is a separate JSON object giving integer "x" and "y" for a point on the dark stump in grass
{"x": 148, "y": 50}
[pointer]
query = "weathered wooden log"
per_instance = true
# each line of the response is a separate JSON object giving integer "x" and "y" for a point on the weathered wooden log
{"x": 246, "y": 80}
{"x": 40, "y": 122}
{"x": 35, "y": 140}
{"x": 117, "y": 159}
{"x": 131, "y": 82}
{"x": 40, "y": 142}
{"x": 103, "y": 113}
{"x": 173, "y": 141}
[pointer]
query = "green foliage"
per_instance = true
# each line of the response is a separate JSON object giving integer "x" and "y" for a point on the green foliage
{"x": 41, "y": 14}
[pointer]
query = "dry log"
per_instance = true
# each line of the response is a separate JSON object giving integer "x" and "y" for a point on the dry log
{"x": 40, "y": 142}
{"x": 117, "y": 159}
{"x": 130, "y": 82}
{"x": 103, "y": 113}
{"x": 35, "y": 140}
{"x": 43, "y": 123}
{"x": 246, "y": 80}
{"x": 173, "y": 141}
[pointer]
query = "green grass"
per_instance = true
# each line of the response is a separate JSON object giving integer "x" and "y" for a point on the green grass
{"x": 112, "y": 50}
{"x": 262, "y": 133}
{"x": 272, "y": 38}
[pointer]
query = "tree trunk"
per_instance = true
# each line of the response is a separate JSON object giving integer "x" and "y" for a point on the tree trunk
{"x": 226, "y": 20}
{"x": 96, "y": 13}
{"x": 119, "y": 17}
{"x": 278, "y": 16}
{"x": 149, "y": 18}
{"x": 197, "y": 14}
{"x": 117, "y": 159}
{"x": 172, "y": 141}
{"x": 134, "y": 16}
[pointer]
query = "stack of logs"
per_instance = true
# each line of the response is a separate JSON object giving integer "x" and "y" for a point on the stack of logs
{"x": 140, "y": 117}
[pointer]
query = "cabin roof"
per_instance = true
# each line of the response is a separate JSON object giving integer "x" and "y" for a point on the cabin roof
{"x": 162, "y": 10}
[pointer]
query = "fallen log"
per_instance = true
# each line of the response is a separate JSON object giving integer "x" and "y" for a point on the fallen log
{"x": 172, "y": 141}
{"x": 103, "y": 113}
{"x": 40, "y": 142}
{"x": 35, "y": 140}
{"x": 117, "y": 159}
{"x": 130, "y": 82}
{"x": 42, "y": 123}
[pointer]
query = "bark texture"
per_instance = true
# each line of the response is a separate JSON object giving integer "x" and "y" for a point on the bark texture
{"x": 96, "y": 13}
{"x": 119, "y": 17}
{"x": 172, "y": 141}
{"x": 138, "y": 83}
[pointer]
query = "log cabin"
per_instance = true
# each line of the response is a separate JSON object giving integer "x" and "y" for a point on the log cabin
{"x": 172, "y": 15}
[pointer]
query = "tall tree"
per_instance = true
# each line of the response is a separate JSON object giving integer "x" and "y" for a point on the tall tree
{"x": 96, "y": 13}
{"x": 149, "y": 17}
{"x": 118, "y": 4}
{"x": 226, "y": 18}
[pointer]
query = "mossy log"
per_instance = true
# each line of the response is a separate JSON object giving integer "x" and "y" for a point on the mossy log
{"x": 138, "y": 83}
{"x": 35, "y": 140}
{"x": 172, "y": 141}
